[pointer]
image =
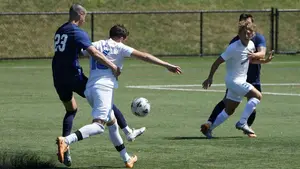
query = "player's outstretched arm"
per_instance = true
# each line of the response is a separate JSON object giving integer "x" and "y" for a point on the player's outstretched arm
{"x": 264, "y": 60}
{"x": 102, "y": 59}
{"x": 260, "y": 54}
{"x": 207, "y": 83}
{"x": 154, "y": 60}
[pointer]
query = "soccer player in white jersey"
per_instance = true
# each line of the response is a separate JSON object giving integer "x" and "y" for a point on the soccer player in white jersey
{"x": 237, "y": 56}
{"x": 100, "y": 88}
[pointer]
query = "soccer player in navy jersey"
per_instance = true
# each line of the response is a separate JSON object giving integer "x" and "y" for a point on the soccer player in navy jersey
{"x": 68, "y": 76}
{"x": 253, "y": 77}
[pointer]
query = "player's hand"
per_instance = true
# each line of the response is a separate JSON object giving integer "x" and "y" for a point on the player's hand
{"x": 116, "y": 71}
{"x": 270, "y": 57}
{"x": 207, "y": 83}
{"x": 252, "y": 55}
{"x": 174, "y": 69}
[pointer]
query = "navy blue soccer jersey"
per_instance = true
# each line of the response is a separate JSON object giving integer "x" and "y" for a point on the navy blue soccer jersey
{"x": 253, "y": 75}
{"x": 69, "y": 40}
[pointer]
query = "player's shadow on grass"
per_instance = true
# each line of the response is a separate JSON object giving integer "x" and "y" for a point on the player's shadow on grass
{"x": 91, "y": 167}
{"x": 201, "y": 137}
{"x": 26, "y": 159}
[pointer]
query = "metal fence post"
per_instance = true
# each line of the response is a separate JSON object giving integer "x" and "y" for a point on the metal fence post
{"x": 272, "y": 28}
{"x": 201, "y": 34}
{"x": 92, "y": 26}
{"x": 276, "y": 29}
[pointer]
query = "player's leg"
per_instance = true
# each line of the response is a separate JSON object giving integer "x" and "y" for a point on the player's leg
{"x": 71, "y": 110}
{"x": 101, "y": 101}
{"x": 205, "y": 128}
{"x": 216, "y": 111}
{"x": 131, "y": 134}
{"x": 66, "y": 96}
{"x": 255, "y": 97}
{"x": 118, "y": 143}
{"x": 97, "y": 127}
{"x": 232, "y": 101}
{"x": 253, "y": 114}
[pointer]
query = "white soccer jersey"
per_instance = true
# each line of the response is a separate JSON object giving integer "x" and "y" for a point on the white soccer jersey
{"x": 237, "y": 62}
{"x": 115, "y": 52}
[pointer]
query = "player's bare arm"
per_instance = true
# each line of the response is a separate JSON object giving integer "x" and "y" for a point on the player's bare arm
{"x": 102, "y": 59}
{"x": 260, "y": 54}
{"x": 207, "y": 83}
{"x": 264, "y": 60}
{"x": 154, "y": 60}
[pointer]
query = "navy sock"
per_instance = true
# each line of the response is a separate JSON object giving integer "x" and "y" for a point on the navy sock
{"x": 68, "y": 122}
{"x": 251, "y": 118}
{"x": 120, "y": 118}
{"x": 217, "y": 110}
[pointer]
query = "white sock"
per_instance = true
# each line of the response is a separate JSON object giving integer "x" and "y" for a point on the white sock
{"x": 209, "y": 122}
{"x": 220, "y": 119}
{"x": 71, "y": 138}
{"x": 85, "y": 132}
{"x": 125, "y": 156}
{"x": 127, "y": 130}
{"x": 117, "y": 141}
{"x": 250, "y": 106}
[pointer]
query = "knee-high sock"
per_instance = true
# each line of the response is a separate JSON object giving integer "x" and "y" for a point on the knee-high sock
{"x": 217, "y": 110}
{"x": 117, "y": 141}
{"x": 121, "y": 120}
{"x": 251, "y": 118}
{"x": 68, "y": 122}
{"x": 220, "y": 119}
{"x": 250, "y": 106}
{"x": 85, "y": 132}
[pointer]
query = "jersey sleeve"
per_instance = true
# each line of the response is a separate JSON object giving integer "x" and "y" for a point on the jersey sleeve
{"x": 228, "y": 53}
{"x": 261, "y": 41}
{"x": 236, "y": 38}
{"x": 83, "y": 40}
{"x": 127, "y": 51}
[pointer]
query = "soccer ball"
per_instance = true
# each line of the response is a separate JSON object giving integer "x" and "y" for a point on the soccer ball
{"x": 140, "y": 107}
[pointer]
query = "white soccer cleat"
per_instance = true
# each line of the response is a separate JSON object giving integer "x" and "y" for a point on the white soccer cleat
{"x": 244, "y": 127}
{"x": 135, "y": 133}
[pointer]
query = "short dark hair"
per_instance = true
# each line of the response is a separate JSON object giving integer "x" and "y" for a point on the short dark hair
{"x": 119, "y": 31}
{"x": 245, "y": 16}
{"x": 75, "y": 10}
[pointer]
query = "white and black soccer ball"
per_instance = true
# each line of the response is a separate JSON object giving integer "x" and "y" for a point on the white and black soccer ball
{"x": 140, "y": 107}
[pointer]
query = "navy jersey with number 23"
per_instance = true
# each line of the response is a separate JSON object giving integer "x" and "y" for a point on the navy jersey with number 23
{"x": 69, "y": 40}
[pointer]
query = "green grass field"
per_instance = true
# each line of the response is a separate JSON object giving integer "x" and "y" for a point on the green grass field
{"x": 31, "y": 116}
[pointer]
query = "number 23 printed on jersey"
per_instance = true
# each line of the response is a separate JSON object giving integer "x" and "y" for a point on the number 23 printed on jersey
{"x": 60, "y": 42}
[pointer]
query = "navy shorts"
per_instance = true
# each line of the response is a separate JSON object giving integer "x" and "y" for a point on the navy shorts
{"x": 65, "y": 88}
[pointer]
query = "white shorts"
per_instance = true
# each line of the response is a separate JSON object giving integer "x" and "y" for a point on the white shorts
{"x": 100, "y": 99}
{"x": 237, "y": 90}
